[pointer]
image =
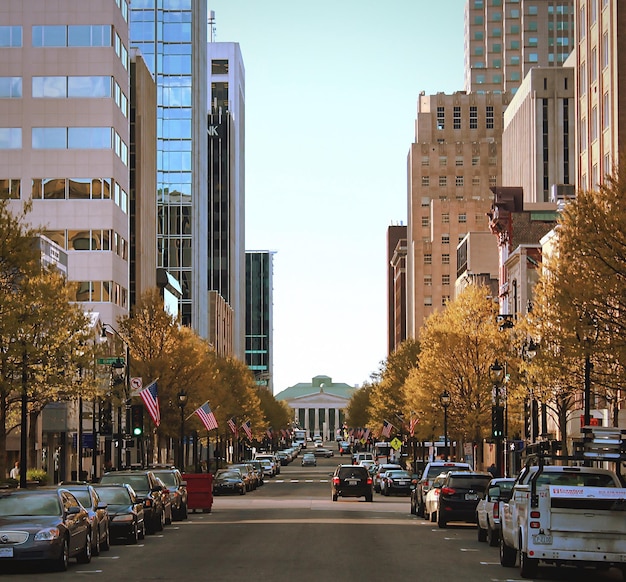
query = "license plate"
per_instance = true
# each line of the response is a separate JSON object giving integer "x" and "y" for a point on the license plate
{"x": 403, "y": 482}
{"x": 6, "y": 552}
{"x": 471, "y": 497}
{"x": 542, "y": 539}
{"x": 352, "y": 481}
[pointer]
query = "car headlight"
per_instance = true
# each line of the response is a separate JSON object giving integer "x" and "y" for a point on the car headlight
{"x": 126, "y": 518}
{"x": 48, "y": 534}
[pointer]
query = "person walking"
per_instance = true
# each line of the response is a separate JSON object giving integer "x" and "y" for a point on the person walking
{"x": 15, "y": 471}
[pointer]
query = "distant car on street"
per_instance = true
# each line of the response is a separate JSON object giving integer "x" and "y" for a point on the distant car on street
{"x": 309, "y": 460}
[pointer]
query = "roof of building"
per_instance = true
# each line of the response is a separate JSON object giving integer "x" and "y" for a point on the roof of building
{"x": 318, "y": 384}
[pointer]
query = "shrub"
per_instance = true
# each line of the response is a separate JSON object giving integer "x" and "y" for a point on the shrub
{"x": 37, "y": 475}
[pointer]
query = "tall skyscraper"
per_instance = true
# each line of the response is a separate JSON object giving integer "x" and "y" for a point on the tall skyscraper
{"x": 171, "y": 36}
{"x": 260, "y": 316}
{"x": 504, "y": 39}
{"x": 600, "y": 64}
{"x": 65, "y": 135}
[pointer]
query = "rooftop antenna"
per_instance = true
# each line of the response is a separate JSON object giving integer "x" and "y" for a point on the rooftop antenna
{"x": 211, "y": 23}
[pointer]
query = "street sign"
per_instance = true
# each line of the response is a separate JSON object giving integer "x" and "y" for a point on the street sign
{"x": 109, "y": 361}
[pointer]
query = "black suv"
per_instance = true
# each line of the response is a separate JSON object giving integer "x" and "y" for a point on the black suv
{"x": 352, "y": 481}
{"x": 459, "y": 495}
{"x": 178, "y": 490}
{"x": 148, "y": 489}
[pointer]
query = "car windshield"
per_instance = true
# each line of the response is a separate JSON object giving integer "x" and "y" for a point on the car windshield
{"x": 137, "y": 482}
{"x": 352, "y": 472}
{"x": 83, "y": 496}
{"x": 228, "y": 475}
{"x": 30, "y": 504}
{"x": 399, "y": 474}
{"x": 435, "y": 470}
{"x": 168, "y": 478}
{"x": 576, "y": 479}
{"x": 469, "y": 482}
{"x": 114, "y": 495}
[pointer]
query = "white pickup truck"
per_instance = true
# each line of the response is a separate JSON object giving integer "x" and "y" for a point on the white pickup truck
{"x": 564, "y": 515}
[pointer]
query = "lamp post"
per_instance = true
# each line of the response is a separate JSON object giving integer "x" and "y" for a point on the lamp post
{"x": 496, "y": 373}
{"x": 444, "y": 399}
{"x": 529, "y": 351}
{"x": 182, "y": 401}
{"x": 120, "y": 374}
{"x": 587, "y": 334}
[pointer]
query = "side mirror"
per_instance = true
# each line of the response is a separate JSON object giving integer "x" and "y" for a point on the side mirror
{"x": 73, "y": 510}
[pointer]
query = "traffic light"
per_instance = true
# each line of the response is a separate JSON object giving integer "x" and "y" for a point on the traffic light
{"x": 106, "y": 424}
{"x": 497, "y": 421}
{"x": 136, "y": 414}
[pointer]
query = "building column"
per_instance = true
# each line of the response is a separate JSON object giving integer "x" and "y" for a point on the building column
{"x": 306, "y": 419}
{"x": 316, "y": 428}
{"x": 337, "y": 423}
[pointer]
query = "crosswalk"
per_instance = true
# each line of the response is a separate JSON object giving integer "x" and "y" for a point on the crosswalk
{"x": 275, "y": 480}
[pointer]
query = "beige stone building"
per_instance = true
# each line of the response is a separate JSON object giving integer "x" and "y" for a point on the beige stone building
{"x": 454, "y": 160}
{"x": 504, "y": 39}
{"x": 600, "y": 63}
{"x": 538, "y": 142}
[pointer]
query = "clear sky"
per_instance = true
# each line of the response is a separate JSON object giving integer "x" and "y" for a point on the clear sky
{"x": 331, "y": 102}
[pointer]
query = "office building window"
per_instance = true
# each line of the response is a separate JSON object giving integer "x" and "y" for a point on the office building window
{"x": 458, "y": 161}
{"x": 475, "y": 160}
{"x": 606, "y": 112}
{"x": 445, "y": 259}
{"x": 475, "y": 180}
{"x": 443, "y": 161}
{"x": 445, "y": 299}
{"x": 441, "y": 118}
{"x": 428, "y": 259}
{"x": 445, "y": 239}
{"x": 583, "y": 134}
{"x": 445, "y": 218}
{"x": 594, "y": 123}
{"x": 219, "y": 67}
{"x": 425, "y": 180}
{"x": 493, "y": 180}
{"x": 428, "y": 280}
{"x": 425, "y": 201}
{"x": 10, "y": 138}
{"x": 425, "y": 221}
{"x": 458, "y": 181}
{"x": 443, "y": 181}
{"x": 445, "y": 279}
{"x": 10, "y": 189}
{"x": 593, "y": 68}
{"x": 462, "y": 217}
{"x": 457, "y": 118}
{"x": 425, "y": 161}
{"x": 473, "y": 117}
{"x": 10, "y": 87}
{"x": 10, "y": 36}
{"x": 428, "y": 301}
{"x": 489, "y": 116}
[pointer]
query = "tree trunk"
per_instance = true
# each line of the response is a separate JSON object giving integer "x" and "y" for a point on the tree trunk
{"x": 33, "y": 461}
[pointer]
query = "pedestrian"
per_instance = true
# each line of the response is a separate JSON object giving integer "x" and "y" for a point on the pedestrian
{"x": 493, "y": 470}
{"x": 15, "y": 471}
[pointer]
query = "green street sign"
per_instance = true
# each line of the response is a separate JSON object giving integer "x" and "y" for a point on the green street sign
{"x": 110, "y": 361}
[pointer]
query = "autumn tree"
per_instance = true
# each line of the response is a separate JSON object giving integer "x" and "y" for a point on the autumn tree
{"x": 458, "y": 346}
{"x": 357, "y": 410}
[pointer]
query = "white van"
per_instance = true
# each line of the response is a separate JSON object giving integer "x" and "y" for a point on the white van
{"x": 358, "y": 457}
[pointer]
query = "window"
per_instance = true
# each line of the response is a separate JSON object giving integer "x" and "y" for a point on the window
{"x": 462, "y": 217}
{"x": 443, "y": 161}
{"x": 583, "y": 22}
{"x": 10, "y": 36}
{"x": 425, "y": 201}
{"x": 445, "y": 259}
{"x": 445, "y": 239}
{"x": 10, "y": 138}
{"x": 515, "y": 45}
{"x": 425, "y": 180}
{"x": 489, "y": 114}
{"x": 428, "y": 258}
{"x": 445, "y": 279}
{"x": 219, "y": 67}
{"x": 475, "y": 180}
{"x": 425, "y": 161}
{"x": 593, "y": 12}
{"x": 493, "y": 161}
{"x": 10, "y": 87}
{"x": 583, "y": 134}
{"x": 428, "y": 301}
{"x": 445, "y": 299}
{"x": 473, "y": 117}
{"x": 458, "y": 161}
{"x": 458, "y": 181}
{"x": 425, "y": 221}
{"x": 606, "y": 113}
{"x": 594, "y": 123}
{"x": 532, "y": 10}
{"x": 583, "y": 78}
{"x": 89, "y": 35}
{"x": 593, "y": 69}
{"x": 445, "y": 218}
{"x": 457, "y": 118}
{"x": 441, "y": 120}
{"x": 9, "y": 189}
{"x": 475, "y": 160}
{"x": 428, "y": 280}
{"x": 605, "y": 50}
{"x": 443, "y": 181}
{"x": 493, "y": 181}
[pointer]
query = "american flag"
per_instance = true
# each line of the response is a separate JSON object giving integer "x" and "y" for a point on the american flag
{"x": 231, "y": 425}
{"x": 387, "y": 428}
{"x": 270, "y": 434}
{"x": 206, "y": 416}
{"x": 366, "y": 434}
{"x": 150, "y": 398}
{"x": 247, "y": 429}
{"x": 412, "y": 423}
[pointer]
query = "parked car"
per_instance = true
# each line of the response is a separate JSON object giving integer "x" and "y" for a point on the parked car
{"x": 380, "y": 470}
{"x": 424, "y": 483}
{"x": 272, "y": 458}
{"x": 351, "y": 481}
{"x": 459, "y": 496}
{"x": 229, "y": 481}
{"x": 173, "y": 480}
{"x": 309, "y": 460}
{"x": 247, "y": 470}
{"x": 258, "y": 468}
{"x": 322, "y": 452}
{"x": 269, "y": 468}
{"x": 166, "y": 498}
{"x": 345, "y": 448}
{"x": 126, "y": 511}
{"x": 45, "y": 523}
{"x": 146, "y": 486}
{"x": 431, "y": 503}
{"x": 488, "y": 510}
{"x": 396, "y": 482}
{"x": 98, "y": 514}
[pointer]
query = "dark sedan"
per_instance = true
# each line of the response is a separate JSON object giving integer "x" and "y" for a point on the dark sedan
{"x": 321, "y": 452}
{"x": 46, "y": 524}
{"x": 226, "y": 482}
{"x": 125, "y": 510}
{"x": 396, "y": 482}
{"x": 178, "y": 490}
{"x": 98, "y": 514}
{"x": 459, "y": 496}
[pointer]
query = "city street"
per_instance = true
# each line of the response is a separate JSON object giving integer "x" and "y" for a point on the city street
{"x": 289, "y": 530}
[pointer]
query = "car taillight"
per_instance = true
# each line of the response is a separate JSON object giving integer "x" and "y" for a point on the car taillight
{"x": 425, "y": 483}
{"x": 369, "y": 480}
{"x": 447, "y": 491}
{"x": 147, "y": 502}
{"x": 496, "y": 510}
{"x": 336, "y": 480}
{"x": 535, "y": 514}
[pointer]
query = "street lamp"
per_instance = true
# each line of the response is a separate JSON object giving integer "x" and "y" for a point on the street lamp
{"x": 182, "y": 401}
{"x": 444, "y": 399}
{"x": 496, "y": 373}
{"x": 587, "y": 334}
{"x": 120, "y": 374}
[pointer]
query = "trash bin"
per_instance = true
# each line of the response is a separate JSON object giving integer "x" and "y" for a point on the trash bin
{"x": 199, "y": 491}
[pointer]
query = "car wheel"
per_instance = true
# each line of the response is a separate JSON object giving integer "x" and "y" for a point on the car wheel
{"x": 419, "y": 509}
{"x": 84, "y": 557}
{"x": 334, "y": 497}
{"x": 168, "y": 519}
{"x": 106, "y": 543}
{"x": 441, "y": 522}
{"x": 141, "y": 531}
{"x": 95, "y": 549}
{"x": 413, "y": 506}
{"x": 160, "y": 524}
{"x": 481, "y": 532}
{"x": 528, "y": 567}
{"x": 369, "y": 498}
{"x": 433, "y": 516}
{"x": 243, "y": 491}
{"x": 508, "y": 555}
{"x": 134, "y": 535}
{"x": 61, "y": 563}
{"x": 492, "y": 536}
{"x": 183, "y": 509}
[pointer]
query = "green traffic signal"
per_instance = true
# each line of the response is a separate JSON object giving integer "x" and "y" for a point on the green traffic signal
{"x": 136, "y": 413}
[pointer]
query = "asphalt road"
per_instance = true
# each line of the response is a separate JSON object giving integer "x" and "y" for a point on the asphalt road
{"x": 289, "y": 530}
